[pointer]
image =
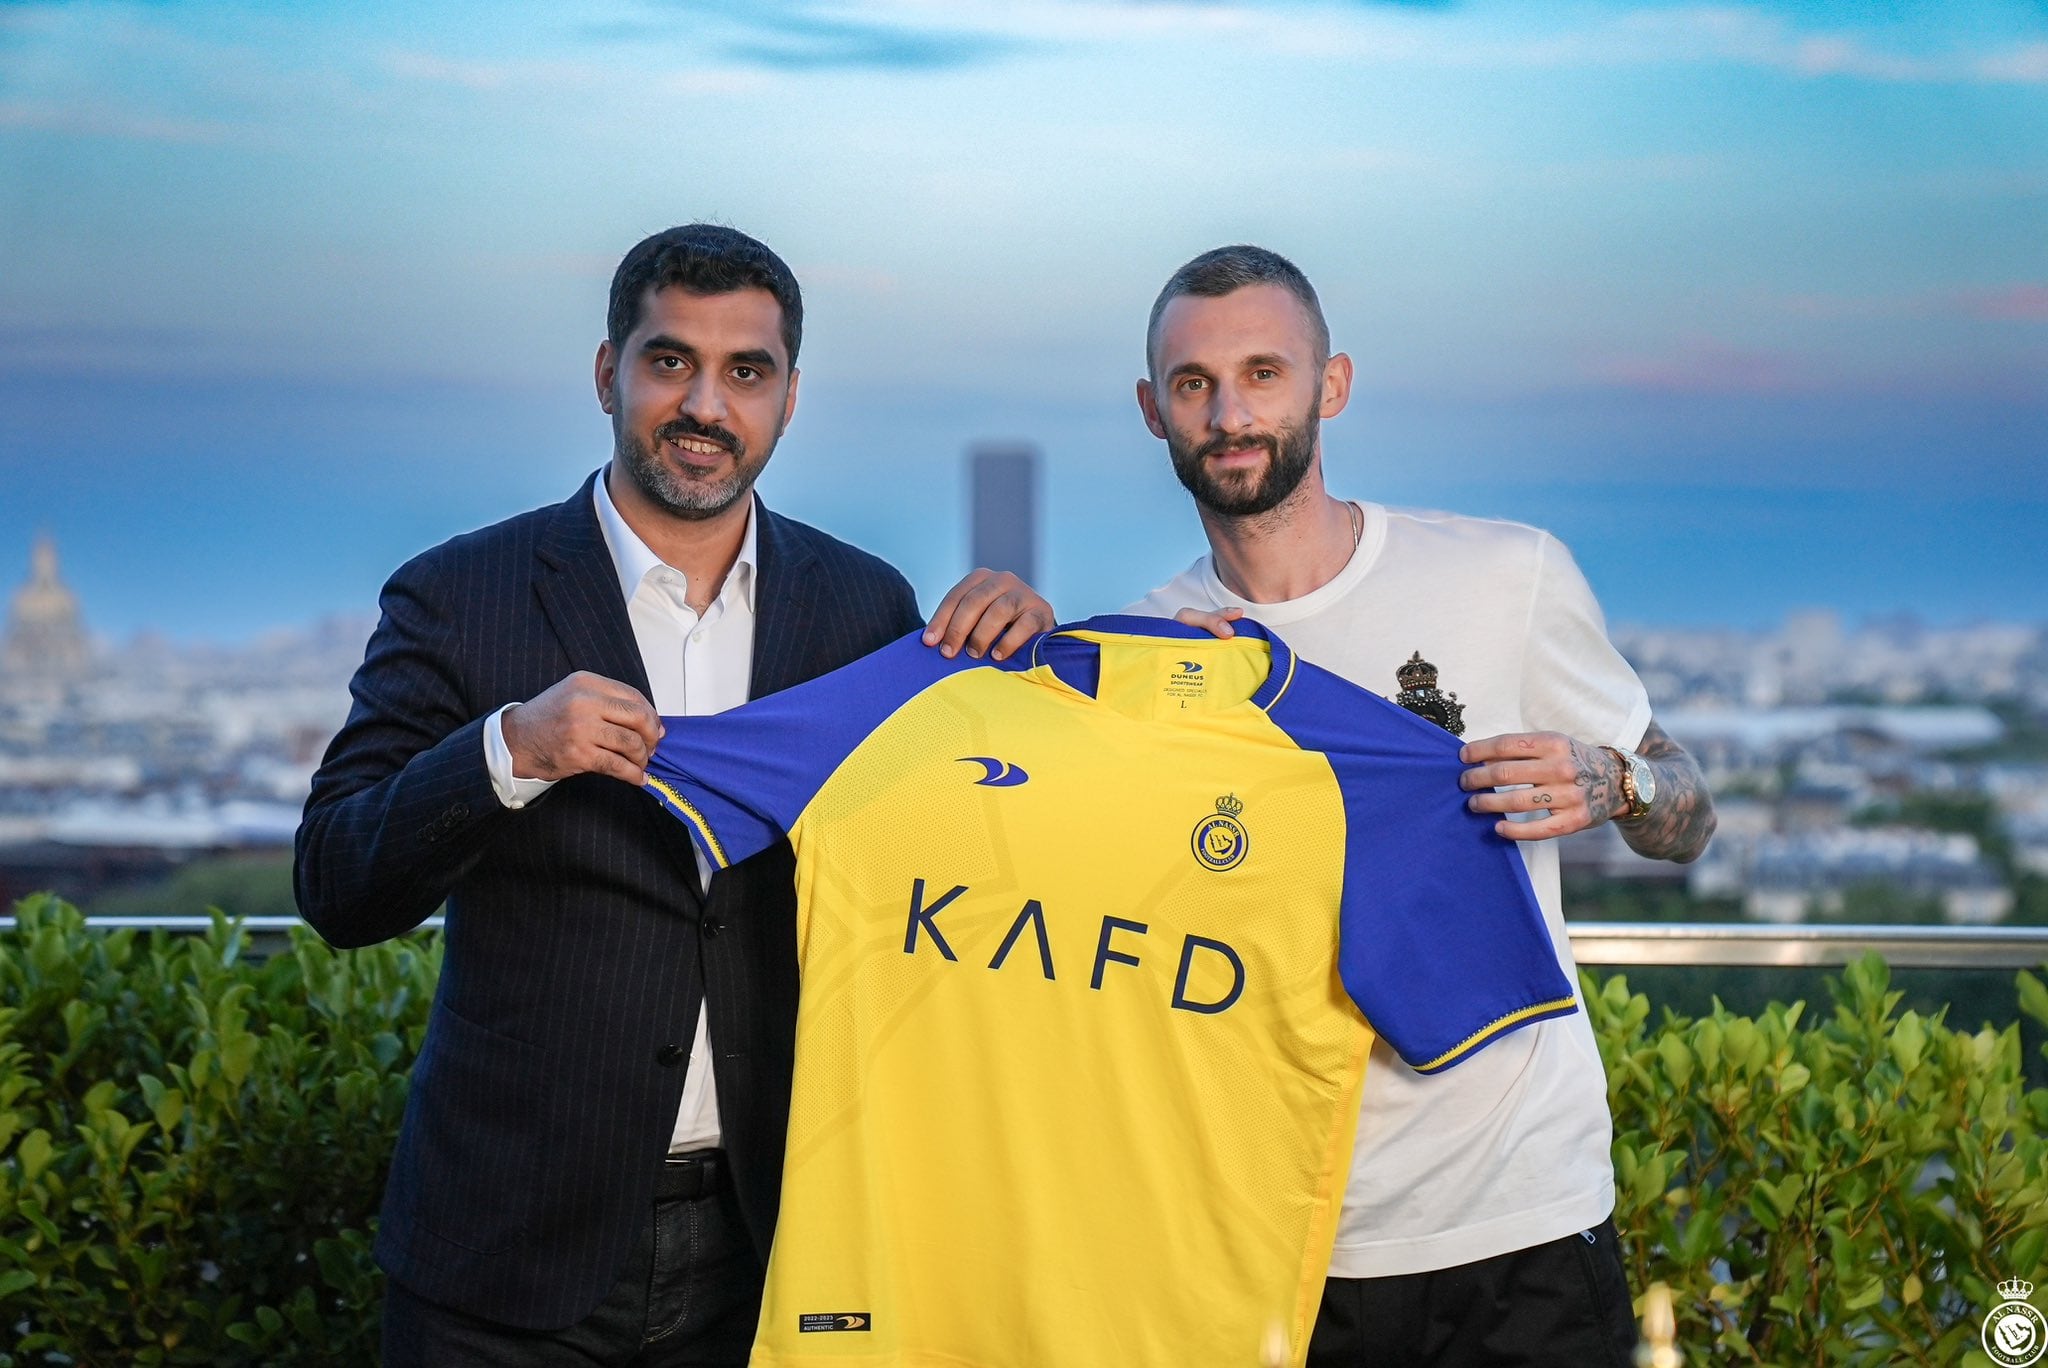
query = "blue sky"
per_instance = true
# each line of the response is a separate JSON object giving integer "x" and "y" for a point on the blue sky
{"x": 1747, "y": 302}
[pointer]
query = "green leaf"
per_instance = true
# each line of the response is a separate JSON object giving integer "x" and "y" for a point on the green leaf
{"x": 34, "y": 1152}
{"x": 2025, "y": 1253}
{"x": 2033, "y": 997}
{"x": 1677, "y": 1061}
{"x": 1908, "y": 1042}
{"x": 168, "y": 1107}
{"x": 236, "y": 1056}
{"x": 17, "y": 1280}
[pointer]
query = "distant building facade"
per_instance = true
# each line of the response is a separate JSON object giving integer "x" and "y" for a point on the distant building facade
{"x": 1003, "y": 507}
{"x": 45, "y": 634}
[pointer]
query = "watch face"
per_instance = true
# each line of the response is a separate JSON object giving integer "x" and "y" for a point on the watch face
{"x": 1646, "y": 781}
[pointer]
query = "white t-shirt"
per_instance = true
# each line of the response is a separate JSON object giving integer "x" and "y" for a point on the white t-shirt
{"x": 1511, "y": 1148}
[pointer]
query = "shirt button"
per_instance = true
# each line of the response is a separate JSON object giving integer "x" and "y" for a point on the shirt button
{"x": 668, "y": 1056}
{"x": 712, "y": 926}
{"x": 697, "y": 635}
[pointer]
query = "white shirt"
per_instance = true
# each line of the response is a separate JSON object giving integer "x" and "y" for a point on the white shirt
{"x": 1511, "y": 1148}
{"x": 695, "y": 665}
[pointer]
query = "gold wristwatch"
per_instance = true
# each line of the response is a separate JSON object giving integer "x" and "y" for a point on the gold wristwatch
{"x": 1638, "y": 784}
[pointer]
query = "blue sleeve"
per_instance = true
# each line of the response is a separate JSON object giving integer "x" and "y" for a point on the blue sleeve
{"x": 739, "y": 779}
{"x": 1442, "y": 944}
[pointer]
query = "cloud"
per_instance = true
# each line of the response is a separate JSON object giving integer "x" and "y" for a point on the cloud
{"x": 2019, "y": 303}
{"x": 105, "y": 121}
{"x": 1704, "y": 367}
{"x": 1439, "y": 35}
{"x": 529, "y": 74}
{"x": 1752, "y": 37}
{"x": 803, "y": 35}
{"x": 799, "y": 42}
{"x": 2015, "y": 303}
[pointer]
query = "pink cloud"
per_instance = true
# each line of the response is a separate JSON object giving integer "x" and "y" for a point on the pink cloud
{"x": 1704, "y": 368}
{"x": 91, "y": 121}
{"x": 2014, "y": 303}
{"x": 2024, "y": 303}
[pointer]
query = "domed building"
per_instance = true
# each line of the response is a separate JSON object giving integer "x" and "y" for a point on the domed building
{"x": 45, "y": 635}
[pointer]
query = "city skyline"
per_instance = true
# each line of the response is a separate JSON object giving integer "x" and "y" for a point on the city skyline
{"x": 1745, "y": 302}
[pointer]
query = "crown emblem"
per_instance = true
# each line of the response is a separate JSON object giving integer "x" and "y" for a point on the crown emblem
{"x": 2015, "y": 1289}
{"x": 1230, "y": 805}
{"x": 1417, "y": 673}
{"x": 1420, "y": 695}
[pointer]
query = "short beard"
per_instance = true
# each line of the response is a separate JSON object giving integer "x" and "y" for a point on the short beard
{"x": 1289, "y": 454}
{"x": 679, "y": 494}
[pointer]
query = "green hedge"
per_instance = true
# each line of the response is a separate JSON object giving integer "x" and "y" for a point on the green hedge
{"x": 194, "y": 1144}
{"x": 195, "y": 1141}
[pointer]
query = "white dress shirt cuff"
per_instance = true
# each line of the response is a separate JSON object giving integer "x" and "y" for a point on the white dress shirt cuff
{"x": 513, "y": 791}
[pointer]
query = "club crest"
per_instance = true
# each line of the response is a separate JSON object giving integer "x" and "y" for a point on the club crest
{"x": 1420, "y": 695}
{"x": 1220, "y": 840}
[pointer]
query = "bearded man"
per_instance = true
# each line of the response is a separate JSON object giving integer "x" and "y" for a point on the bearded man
{"x": 1476, "y": 1228}
{"x": 591, "y": 1156}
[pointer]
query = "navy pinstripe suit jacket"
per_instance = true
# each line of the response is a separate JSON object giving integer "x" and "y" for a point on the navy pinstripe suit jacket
{"x": 578, "y": 948}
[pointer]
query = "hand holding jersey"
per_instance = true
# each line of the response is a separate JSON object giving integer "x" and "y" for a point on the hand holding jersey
{"x": 1574, "y": 785}
{"x": 586, "y": 724}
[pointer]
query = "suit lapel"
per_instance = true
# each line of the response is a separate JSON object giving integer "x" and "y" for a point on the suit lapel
{"x": 783, "y": 606}
{"x": 579, "y": 591}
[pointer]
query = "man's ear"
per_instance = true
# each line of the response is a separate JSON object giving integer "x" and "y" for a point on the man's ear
{"x": 789, "y": 401}
{"x": 606, "y": 374}
{"x": 1148, "y": 404}
{"x": 1336, "y": 385}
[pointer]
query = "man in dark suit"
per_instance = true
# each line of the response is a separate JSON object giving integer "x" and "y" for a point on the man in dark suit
{"x": 590, "y": 1159}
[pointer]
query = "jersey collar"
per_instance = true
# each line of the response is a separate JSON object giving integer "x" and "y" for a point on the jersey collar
{"x": 1078, "y": 664}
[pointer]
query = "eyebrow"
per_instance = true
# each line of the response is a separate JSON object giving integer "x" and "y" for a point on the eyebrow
{"x": 1269, "y": 359}
{"x": 758, "y": 357}
{"x": 662, "y": 342}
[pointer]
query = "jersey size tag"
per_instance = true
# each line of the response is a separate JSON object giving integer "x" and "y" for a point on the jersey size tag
{"x": 816, "y": 1322}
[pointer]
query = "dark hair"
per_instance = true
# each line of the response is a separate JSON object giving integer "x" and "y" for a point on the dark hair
{"x": 705, "y": 259}
{"x": 1227, "y": 269}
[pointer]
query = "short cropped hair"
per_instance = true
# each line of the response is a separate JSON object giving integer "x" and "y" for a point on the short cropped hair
{"x": 1227, "y": 269}
{"x": 704, "y": 259}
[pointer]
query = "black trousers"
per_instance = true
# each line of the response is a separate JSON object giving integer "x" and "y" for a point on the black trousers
{"x": 1559, "y": 1305}
{"x": 688, "y": 1298}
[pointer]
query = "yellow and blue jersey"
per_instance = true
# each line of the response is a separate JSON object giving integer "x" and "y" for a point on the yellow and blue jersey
{"x": 1094, "y": 944}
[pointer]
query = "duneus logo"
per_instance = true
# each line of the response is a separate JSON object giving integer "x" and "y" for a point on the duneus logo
{"x": 997, "y": 773}
{"x": 2015, "y": 1333}
{"x": 1191, "y": 667}
{"x": 1220, "y": 841}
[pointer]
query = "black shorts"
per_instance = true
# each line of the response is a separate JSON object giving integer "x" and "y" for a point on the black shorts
{"x": 1564, "y": 1304}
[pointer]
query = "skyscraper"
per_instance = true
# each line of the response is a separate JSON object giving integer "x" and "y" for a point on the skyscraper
{"x": 1004, "y": 507}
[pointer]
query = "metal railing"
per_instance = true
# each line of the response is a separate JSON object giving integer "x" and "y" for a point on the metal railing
{"x": 1802, "y": 946}
{"x": 1604, "y": 944}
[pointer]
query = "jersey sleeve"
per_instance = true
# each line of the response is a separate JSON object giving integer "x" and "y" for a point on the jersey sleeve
{"x": 1441, "y": 942}
{"x": 1573, "y": 679}
{"x": 739, "y": 779}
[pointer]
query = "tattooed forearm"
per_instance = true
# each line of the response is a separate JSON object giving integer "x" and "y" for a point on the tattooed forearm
{"x": 1681, "y": 821}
